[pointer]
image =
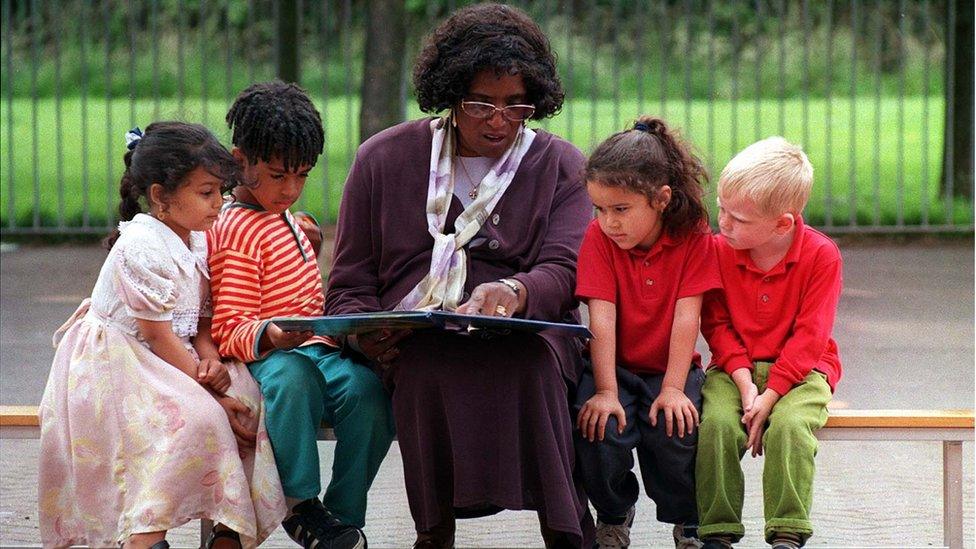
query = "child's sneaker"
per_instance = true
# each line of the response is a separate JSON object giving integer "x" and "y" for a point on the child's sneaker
{"x": 716, "y": 542}
{"x": 786, "y": 540}
{"x": 312, "y": 527}
{"x": 685, "y": 537}
{"x": 615, "y": 536}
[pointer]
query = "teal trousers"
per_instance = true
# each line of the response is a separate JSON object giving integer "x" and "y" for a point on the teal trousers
{"x": 301, "y": 388}
{"x": 789, "y": 447}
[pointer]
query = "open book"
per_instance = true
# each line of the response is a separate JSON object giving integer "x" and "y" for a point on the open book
{"x": 417, "y": 320}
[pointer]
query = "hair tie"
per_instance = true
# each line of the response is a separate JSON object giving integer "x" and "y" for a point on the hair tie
{"x": 132, "y": 138}
{"x": 642, "y": 127}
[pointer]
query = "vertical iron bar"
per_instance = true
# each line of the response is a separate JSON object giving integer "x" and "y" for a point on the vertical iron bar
{"x": 180, "y": 23}
{"x": 876, "y": 188}
{"x": 736, "y": 53}
{"x": 228, "y": 57}
{"x": 689, "y": 21}
{"x": 900, "y": 175}
{"x": 828, "y": 127}
{"x": 570, "y": 91}
{"x": 347, "y": 60}
{"x": 85, "y": 214}
{"x": 758, "y": 98}
{"x": 8, "y": 16}
{"x": 324, "y": 47}
{"x": 950, "y": 85}
{"x": 782, "y": 66}
{"x": 709, "y": 16}
{"x": 109, "y": 141}
{"x": 275, "y": 51}
{"x": 852, "y": 136}
{"x": 805, "y": 70}
{"x": 615, "y": 66}
{"x": 665, "y": 55}
{"x": 252, "y": 37}
{"x": 131, "y": 12}
{"x": 594, "y": 53}
{"x": 35, "y": 23}
{"x": 926, "y": 181}
{"x": 639, "y": 45}
{"x": 154, "y": 18}
{"x": 57, "y": 28}
{"x": 204, "y": 72}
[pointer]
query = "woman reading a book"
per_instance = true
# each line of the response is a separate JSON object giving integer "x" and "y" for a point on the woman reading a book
{"x": 473, "y": 212}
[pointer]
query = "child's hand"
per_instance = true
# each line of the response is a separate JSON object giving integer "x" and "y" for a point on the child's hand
{"x": 241, "y": 420}
{"x": 593, "y": 416}
{"x": 212, "y": 373}
{"x": 281, "y": 339}
{"x": 748, "y": 395}
{"x": 677, "y": 408}
{"x": 755, "y": 420}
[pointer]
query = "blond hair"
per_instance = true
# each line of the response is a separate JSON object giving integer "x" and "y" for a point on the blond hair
{"x": 774, "y": 173}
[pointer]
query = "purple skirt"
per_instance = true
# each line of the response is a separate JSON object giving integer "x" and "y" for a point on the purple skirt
{"x": 484, "y": 425}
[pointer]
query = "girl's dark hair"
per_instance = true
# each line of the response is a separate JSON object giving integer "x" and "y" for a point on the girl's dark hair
{"x": 486, "y": 36}
{"x": 166, "y": 154}
{"x": 276, "y": 120}
{"x": 644, "y": 159}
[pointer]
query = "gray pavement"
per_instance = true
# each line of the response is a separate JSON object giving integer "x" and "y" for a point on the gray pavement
{"x": 904, "y": 327}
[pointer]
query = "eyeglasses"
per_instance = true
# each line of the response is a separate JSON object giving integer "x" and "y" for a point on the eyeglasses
{"x": 512, "y": 113}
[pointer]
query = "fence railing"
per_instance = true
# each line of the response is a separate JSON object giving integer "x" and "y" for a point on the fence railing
{"x": 861, "y": 84}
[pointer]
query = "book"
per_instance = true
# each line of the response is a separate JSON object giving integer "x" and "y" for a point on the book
{"x": 418, "y": 320}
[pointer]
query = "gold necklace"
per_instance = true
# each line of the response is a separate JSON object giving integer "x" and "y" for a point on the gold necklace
{"x": 473, "y": 193}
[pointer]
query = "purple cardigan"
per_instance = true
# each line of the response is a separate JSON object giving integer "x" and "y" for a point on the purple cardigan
{"x": 383, "y": 249}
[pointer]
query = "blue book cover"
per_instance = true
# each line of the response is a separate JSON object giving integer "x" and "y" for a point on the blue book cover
{"x": 418, "y": 320}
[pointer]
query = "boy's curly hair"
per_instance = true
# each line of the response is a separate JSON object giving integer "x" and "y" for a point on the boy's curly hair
{"x": 275, "y": 119}
{"x": 487, "y": 36}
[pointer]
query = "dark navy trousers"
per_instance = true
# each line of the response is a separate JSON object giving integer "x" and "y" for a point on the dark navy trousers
{"x": 667, "y": 464}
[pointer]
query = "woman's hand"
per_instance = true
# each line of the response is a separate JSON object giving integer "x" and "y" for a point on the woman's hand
{"x": 280, "y": 339}
{"x": 678, "y": 409}
{"x": 378, "y": 345}
{"x": 211, "y": 372}
{"x": 492, "y": 299}
{"x": 242, "y": 421}
{"x": 593, "y": 416}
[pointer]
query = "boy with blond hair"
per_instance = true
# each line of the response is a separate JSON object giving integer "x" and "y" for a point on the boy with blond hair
{"x": 774, "y": 364}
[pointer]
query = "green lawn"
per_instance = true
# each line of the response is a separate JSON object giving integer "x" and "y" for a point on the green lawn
{"x": 892, "y": 183}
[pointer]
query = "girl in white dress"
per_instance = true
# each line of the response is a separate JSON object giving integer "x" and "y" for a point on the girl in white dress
{"x": 143, "y": 428}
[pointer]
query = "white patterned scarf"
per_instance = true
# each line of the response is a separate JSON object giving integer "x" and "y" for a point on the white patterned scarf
{"x": 443, "y": 286}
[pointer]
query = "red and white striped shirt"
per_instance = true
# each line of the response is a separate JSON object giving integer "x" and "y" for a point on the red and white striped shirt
{"x": 261, "y": 266}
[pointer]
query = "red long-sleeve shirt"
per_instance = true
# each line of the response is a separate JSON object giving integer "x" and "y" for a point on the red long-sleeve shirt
{"x": 784, "y": 316}
{"x": 261, "y": 266}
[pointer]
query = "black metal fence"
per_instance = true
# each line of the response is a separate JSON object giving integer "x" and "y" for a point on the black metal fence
{"x": 863, "y": 85}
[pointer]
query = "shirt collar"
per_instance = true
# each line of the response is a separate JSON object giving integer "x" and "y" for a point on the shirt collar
{"x": 186, "y": 258}
{"x": 665, "y": 240}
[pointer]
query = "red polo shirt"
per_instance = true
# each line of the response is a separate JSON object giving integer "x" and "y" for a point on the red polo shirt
{"x": 645, "y": 287}
{"x": 784, "y": 316}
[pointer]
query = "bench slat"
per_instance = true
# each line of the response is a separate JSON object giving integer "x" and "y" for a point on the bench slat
{"x": 904, "y": 419}
{"x": 19, "y": 416}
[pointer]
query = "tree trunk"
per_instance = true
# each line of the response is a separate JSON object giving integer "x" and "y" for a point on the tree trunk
{"x": 957, "y": 163}
{"x": 382, "y": 104}
{"x": 287, "y": 37}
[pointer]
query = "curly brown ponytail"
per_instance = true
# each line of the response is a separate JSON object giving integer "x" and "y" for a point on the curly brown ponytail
{"x": 647, "y": 157}
{"x": 166, "y": 154}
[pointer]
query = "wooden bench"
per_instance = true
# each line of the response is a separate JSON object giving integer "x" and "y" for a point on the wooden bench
{"x": 951, "y": 427}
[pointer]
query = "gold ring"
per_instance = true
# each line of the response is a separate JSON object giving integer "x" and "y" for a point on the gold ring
{"x": 501, "y": 310}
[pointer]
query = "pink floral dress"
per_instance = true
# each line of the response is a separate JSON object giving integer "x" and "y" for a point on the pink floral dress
{"x": 129, "y": 443}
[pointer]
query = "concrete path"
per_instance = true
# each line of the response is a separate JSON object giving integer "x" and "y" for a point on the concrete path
{"x": 905, "y": 330}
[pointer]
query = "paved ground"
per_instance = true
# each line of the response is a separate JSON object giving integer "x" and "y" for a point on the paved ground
{"x": 905, "y": 329}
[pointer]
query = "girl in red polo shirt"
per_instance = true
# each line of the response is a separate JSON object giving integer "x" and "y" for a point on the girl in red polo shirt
{"x": 644, "y": 264}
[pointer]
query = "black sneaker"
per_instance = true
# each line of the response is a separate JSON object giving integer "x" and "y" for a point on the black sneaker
{"x": 312, "y": 527}
{"x": 716, "y": 542}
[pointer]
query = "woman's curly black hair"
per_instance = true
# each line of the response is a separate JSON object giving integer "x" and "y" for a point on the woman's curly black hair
{"x": 275, "y": 119}
{"x": 487, "y": 36}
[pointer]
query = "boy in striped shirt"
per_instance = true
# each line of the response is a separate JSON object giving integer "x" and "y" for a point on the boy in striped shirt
{"x": 262, "y": 265}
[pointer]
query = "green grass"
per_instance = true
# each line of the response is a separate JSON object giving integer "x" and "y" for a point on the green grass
{"x": 889, "y": 186}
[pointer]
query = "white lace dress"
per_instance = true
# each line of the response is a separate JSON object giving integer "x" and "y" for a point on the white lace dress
{"x": 129, "y": 443}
